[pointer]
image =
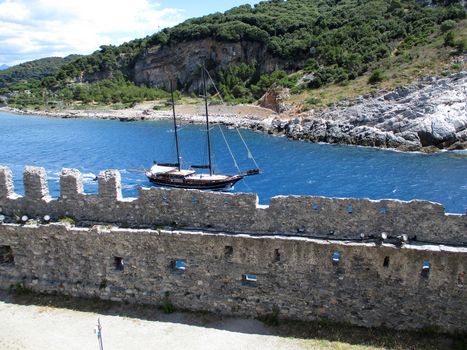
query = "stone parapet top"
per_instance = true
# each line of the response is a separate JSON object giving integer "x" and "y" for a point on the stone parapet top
{"x": 308, "y": 216}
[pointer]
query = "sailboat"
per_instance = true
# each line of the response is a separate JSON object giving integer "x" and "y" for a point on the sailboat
{"x": 172, "y": 174}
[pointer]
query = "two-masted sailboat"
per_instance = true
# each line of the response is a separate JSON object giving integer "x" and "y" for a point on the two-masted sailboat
{"x": 172, "y": 175}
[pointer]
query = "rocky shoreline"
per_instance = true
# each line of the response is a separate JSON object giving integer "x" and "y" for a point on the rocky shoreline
{"x": 428, "y": 115}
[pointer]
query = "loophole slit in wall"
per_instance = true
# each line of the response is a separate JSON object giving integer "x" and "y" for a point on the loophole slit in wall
{"x": 277, "y": 255}
{"x": 228, "y": 251}
{"x": 118, "y": 263}
{"x": 6, "y": 256}
{"x": 426, "y": 267}
{"x": 249, "y": 280}
{"x": 180, "y": 265}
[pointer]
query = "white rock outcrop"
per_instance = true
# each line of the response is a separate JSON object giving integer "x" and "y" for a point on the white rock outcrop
{"x": 429, "y": 113}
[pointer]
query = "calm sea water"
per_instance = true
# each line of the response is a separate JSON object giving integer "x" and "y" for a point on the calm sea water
{"x": 289, "y": 167}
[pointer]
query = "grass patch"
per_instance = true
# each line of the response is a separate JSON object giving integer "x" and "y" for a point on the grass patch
{"x": 67, "y": 220}
{"x": 167, "y": 307}
{"x": 19, "y": 289}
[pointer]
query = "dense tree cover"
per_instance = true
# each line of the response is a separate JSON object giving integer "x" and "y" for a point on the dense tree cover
{"x": 333, "y": 40}
{"x": 33, "y": 70}
{"x": 106, "y": 91}
{"x": 108, "y": 62}
{"x": 338, "y": 40}
{"x": 331, "y": 29}
{"x": 241, "y": 83}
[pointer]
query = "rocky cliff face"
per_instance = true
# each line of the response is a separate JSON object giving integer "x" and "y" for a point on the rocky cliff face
{"x": 431, "y": 113}
{"x": 181, "y": 62}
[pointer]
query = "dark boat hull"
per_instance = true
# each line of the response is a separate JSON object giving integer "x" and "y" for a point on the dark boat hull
{"x": 197, "y": 184}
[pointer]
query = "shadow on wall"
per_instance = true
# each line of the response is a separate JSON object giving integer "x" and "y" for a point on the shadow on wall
{"x": 316, "y": 332}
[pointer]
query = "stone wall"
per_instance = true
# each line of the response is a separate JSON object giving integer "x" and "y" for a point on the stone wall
{"x": 368, "y": 285}
{"x": 307, "y": 216}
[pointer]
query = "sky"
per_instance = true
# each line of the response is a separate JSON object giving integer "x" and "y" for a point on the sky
{"x": 32, "y": 29}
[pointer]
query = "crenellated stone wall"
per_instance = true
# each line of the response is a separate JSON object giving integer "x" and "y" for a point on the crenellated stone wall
{"x": 306, "y": 258}
{"x": 306, "y": 216}
{"x": 298, "y": 278}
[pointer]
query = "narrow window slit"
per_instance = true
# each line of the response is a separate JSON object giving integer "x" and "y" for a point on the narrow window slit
{"x": 180, "y": 265}
{"x": 228, "y": 251}
{"x": 6, "y": 255}
{"x": 249, "y": 280}
{"x": 277, "y": 255}
{"x": 426, "y": 267}
{"x": 119, "y": 264}
{"x": 386, "y": 262}
{"x": 336, "y": 257}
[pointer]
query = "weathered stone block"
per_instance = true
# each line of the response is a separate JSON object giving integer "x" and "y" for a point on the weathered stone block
{"x": 6, "y": 183}
{"x": 35, "y": 183}
{"x": 71, "y": 183}
{"x": 110, "y": 185}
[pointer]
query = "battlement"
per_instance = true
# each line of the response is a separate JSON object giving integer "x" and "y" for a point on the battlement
{"x": 306, "y": 216}
{"x": 295, "y": 257}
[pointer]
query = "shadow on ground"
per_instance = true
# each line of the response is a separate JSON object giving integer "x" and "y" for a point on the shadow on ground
{"x": 319, "y": 333}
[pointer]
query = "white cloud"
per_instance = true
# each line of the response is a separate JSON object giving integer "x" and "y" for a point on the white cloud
{"x": 38, "y": 28}
{"x": 12, "y": 10}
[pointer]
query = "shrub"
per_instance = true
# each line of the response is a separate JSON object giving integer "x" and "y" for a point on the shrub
{"x": 167, "y": 307}
{"x": 460, "y": 45}
{"x": 376, "y": 76}
{"x": 103, "y": 284}
{"x": 19, "y": 289}
{"x": 448, "y": 25}
{"x": 313, "y": 101}
{"x": 67, "y": 220}
{"x": 449, "y": 39}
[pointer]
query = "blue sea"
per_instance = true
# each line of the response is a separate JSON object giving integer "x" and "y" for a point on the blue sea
{"x": 288, "y": 167}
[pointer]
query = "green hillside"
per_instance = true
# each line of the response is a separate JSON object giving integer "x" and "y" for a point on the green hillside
{"x": 33, "y": 70}
{"x": 330, "y": 42}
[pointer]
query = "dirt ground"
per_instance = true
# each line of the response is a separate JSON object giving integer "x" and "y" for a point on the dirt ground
{"x": 31, "y": 327}
{"x": 30, "y": 321}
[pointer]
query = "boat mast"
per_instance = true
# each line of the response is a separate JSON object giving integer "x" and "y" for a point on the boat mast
{"x": 207, "y": 119}
{"x": 175, "y": 127}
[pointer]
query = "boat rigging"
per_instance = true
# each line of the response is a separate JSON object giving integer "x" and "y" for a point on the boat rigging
{"x": 172, "y": 175}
